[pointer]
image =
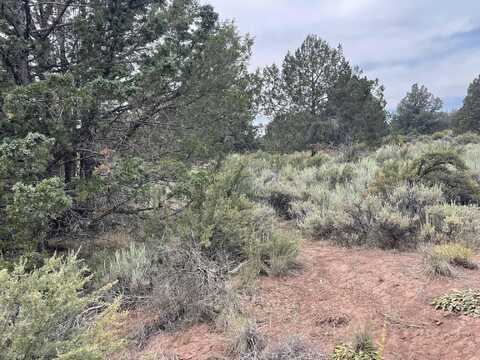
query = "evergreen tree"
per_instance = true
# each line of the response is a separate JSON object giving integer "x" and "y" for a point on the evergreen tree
{"x": 418, "y": 112}
{"x": 358, "y": 106}
{"x": 109, "y": 85}
{"x": 468, "y": 117}
{"x": 317, "y": 95}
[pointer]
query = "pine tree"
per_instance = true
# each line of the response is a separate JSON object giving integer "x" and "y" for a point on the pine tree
{"x": 468, "y": 117}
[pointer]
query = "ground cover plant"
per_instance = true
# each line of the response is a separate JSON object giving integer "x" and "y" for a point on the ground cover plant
{"x": 462, "y": 302}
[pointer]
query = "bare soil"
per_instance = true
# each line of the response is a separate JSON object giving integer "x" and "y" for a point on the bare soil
{"x": 340, "y": 292}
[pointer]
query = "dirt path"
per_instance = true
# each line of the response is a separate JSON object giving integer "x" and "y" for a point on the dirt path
{"x": 339, "y": 292}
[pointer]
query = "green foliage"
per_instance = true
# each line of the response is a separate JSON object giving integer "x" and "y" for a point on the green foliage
{"x": 392, "y": 173}
{"x": 459, "y": 187}
{"x": 27, "y": 204}
{"x": 465, "y": 302}
{"x": 33, "y": 207}
{"x": 417, "y": 112}
{"x": 441, "y": 166}
{"x": 131, "y": 271}
{"x": 442, "y": 134}
{"x": 316, "y": 97}
{"x": 350, "y": 153}
{"x": 288, "y": 132}
{"x": 282, "y": 87}
{"x": 46, "y": 314}
{"x": 224, "y": 221}
{"x": 362, "y": 349}
{"x": 358, "y": 105}
{"x": 468, "y": 117}
{"x": 395, "y": 197}
{"x": 24, "y": 159}
{"x": 415, "y": 200}
{"x": 51, "y": 107}
{"x": 468, "y": 138}
{"x": 281, "y": 202}
{"x": 167, "y": 82}
{"x": 452, "y": 223}
{"x": 372, "y": 223}
{"x": 338, "y": 175}
{"x": 456, "y": 254}
{"x": 315, "y": 161}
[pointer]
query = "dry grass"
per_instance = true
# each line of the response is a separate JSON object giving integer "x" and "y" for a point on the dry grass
{"x": 246, "y": 342}
{"x": 442, "y": 260}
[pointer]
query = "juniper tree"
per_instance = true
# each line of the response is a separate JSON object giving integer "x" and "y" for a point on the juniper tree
{"x": 468, "y": 117}
{"x": 418, "y": 111}
{"x": 316, "y": 96}
{"x": 112, "y": 84}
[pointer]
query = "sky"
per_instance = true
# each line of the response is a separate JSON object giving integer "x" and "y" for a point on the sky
{"x": 401, "y": 42}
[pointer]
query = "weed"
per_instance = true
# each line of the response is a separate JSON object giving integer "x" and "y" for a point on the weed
{"x": 362, "y": 348}
{"x": 465, "y": 302}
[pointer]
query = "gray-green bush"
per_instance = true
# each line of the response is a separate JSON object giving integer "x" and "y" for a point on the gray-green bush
{"x": 48, "y": 314}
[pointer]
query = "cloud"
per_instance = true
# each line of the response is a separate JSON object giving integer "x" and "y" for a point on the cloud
{"x": 433, "y": 42}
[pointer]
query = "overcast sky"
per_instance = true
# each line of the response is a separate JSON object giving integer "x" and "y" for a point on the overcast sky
{"x": 432, "y": 42}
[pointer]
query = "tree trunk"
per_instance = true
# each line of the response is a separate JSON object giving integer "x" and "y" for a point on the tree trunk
{"x": 69, "y": 167}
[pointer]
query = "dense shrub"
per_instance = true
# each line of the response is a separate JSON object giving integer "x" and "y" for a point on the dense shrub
{"x": 353, "y": 152}
{"x": 391, "y": 152}
{"x": 281, "y": 202}
{"x": 390, "y": 175}
{"x": 131, "y": 270}
{"x": 213, "y": 230}
{"x": 367, "y": 222}
{"x": 452, "y": 223}
{"x": 340, "y": 174}
{"x": 442, "y": 134}
{"x": 188, "y": 287}
{"x": 443, "y": 166}
{"x": 389, "y": 198}
{"x": 227, "y": 224}
{"x": 34, "y": 207}
{"x": 413, "y": 200}
{"x": 467, "y": 138}
{"x": 439, "y": 165}
{"x": 47, "y": 314}
{"x": 315, "y": 161}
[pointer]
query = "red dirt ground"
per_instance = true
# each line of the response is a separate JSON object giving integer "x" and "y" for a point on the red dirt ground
{"x": 341, "y": 291}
